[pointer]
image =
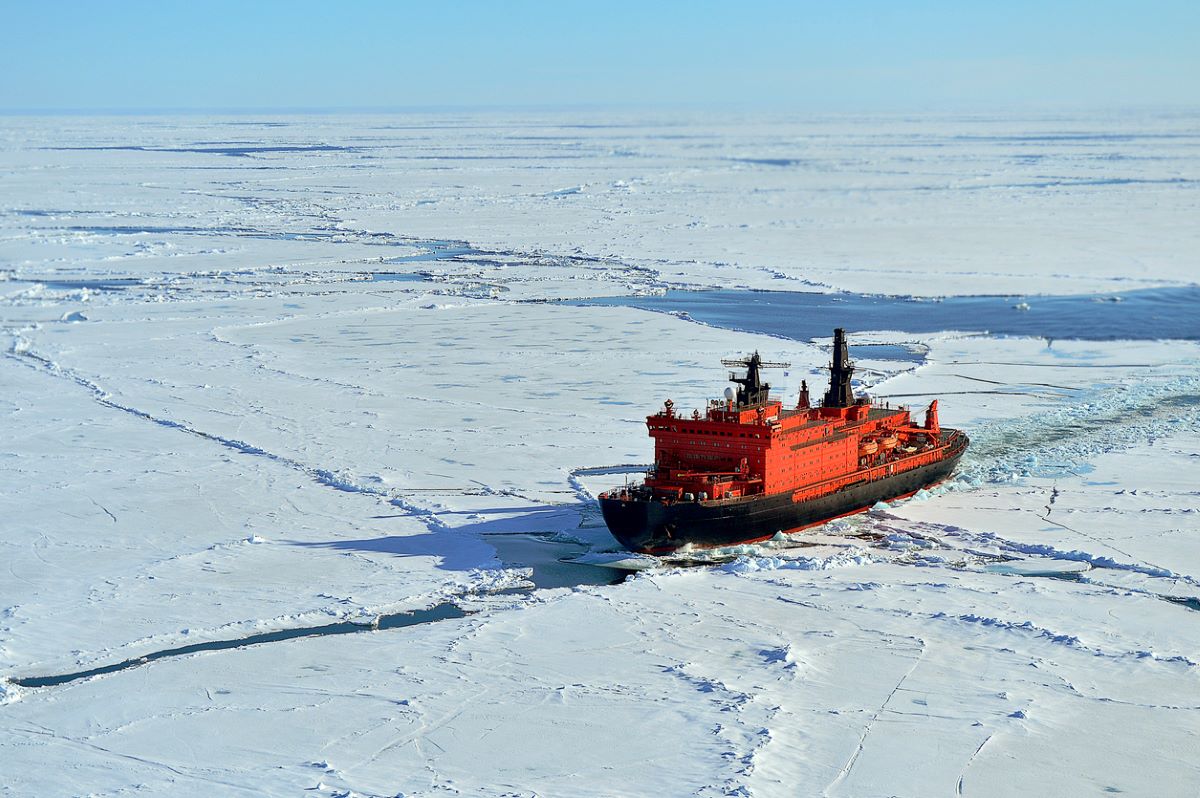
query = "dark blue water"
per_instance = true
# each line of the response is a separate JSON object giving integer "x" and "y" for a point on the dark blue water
{"x": 437, "y": 250}
{"x": 398, "y": 277}
{"x": 887, "y": 352}
{"x": 1147, "y": 314}
{"x": 235, "y": 150}
{"x": 400, "y": 620}
{"x": 110, "y": 284}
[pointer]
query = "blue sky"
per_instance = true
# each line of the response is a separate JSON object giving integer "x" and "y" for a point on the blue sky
{"x": 830, "y": 55}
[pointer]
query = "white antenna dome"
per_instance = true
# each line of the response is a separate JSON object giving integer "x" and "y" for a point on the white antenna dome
{"x": 730, "y": 394}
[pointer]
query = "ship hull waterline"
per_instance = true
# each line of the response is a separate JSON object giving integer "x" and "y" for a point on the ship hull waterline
{"x": 651, "y": 527}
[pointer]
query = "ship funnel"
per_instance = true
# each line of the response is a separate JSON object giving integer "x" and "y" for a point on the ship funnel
{"x": 840, "y": 371}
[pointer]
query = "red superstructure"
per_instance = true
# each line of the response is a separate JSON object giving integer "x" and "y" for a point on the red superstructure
{"x": 762, "y": 468}
{"x": 812, "y": 450}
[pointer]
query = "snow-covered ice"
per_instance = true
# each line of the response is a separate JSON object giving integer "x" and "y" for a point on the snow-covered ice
{"x": 318, "y": 375}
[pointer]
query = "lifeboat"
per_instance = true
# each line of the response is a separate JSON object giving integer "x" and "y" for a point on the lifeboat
{"x": 868, "y": 448}
{"x": 888, "y": 442}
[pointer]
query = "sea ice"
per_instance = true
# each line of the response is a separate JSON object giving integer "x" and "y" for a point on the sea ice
{"x": 218, "y": 422}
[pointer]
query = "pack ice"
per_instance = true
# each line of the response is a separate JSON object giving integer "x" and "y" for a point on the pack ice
{"x": 266, "y": 379}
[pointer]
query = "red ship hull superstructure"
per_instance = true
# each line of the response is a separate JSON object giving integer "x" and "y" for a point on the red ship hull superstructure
{"x": 748, "y": 469}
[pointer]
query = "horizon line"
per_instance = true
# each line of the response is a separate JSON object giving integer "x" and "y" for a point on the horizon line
{"x": 327, "y": 110}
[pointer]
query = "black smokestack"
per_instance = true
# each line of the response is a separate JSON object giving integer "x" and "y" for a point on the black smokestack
{"x": 840, "y": 371}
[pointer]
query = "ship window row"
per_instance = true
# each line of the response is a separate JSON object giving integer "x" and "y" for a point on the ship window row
{"x": 707, "y": 432}
{"x": 739, "y": 447}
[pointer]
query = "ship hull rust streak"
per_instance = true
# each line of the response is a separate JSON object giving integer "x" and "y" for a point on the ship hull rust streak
{"x": 749, "y": 469}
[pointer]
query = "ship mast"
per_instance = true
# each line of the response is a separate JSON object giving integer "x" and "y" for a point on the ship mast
{"x": 753, "y": 390}
{"x": 840, "y": 371}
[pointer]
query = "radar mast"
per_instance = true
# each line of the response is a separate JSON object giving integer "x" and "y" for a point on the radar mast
{"x": 752, "y": 391}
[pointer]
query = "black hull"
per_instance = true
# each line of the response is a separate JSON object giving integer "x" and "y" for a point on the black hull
{"x": 652, "y": 527}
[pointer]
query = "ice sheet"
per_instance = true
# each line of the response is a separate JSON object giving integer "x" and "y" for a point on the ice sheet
{"x": 216, "y": 423}
{"x": 924, "y": 205}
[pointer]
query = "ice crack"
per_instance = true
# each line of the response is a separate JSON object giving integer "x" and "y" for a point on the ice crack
{"x": 439, "y": 612}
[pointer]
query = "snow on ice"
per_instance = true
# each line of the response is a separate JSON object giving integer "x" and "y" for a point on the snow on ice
{"x": 325, "y": 379}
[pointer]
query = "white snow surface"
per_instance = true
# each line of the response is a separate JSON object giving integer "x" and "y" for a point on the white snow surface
{"x": 216, "y": 424}
{"x": 604, "y": 203}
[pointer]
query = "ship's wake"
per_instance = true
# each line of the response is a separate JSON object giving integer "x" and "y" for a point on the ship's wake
{"x": 1018, "y": 453}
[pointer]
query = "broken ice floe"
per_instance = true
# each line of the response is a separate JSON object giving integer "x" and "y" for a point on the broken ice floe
{"x": 9, "y": 692}
{"x": 849, "y": 558}
{"x": 1047, "y": 567}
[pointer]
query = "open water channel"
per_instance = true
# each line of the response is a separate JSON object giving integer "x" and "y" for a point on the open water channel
{"x": 1147, "y": 314}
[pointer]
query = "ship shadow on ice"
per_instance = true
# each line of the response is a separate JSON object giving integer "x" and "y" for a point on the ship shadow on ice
{"x": 542, "y": 538}
{"x": 452, "y": 549}
{"x": 511, "y": 520}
